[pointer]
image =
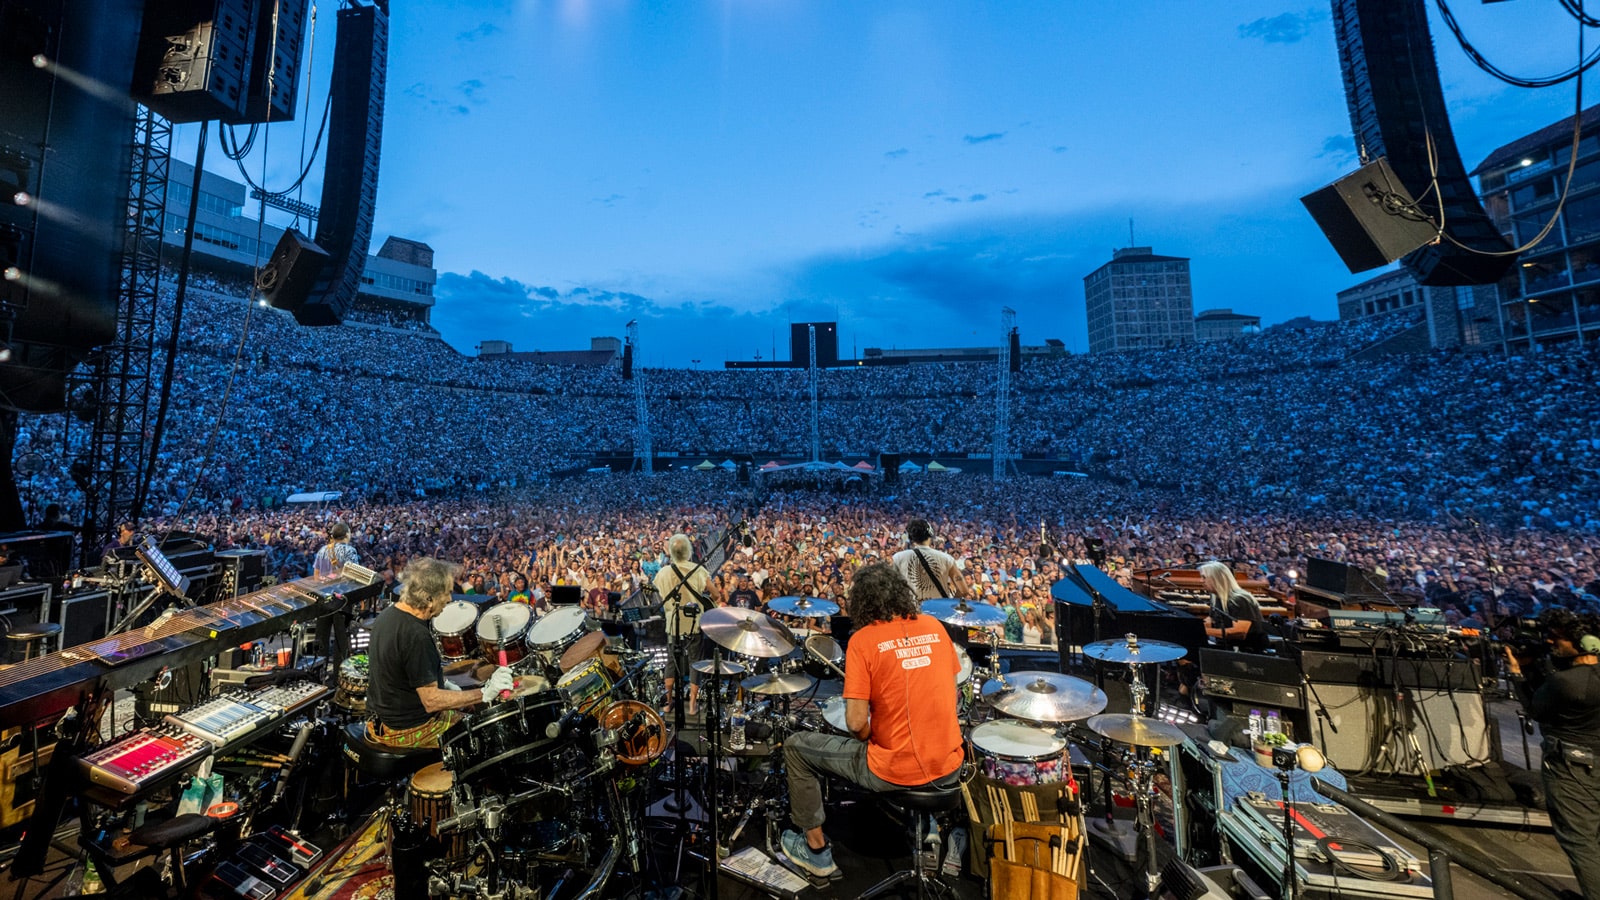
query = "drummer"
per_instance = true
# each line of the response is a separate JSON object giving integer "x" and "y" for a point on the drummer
{"x": 684, "y": 585}
{"x": 409, "y": 701}
{"x": 898, "y": 670}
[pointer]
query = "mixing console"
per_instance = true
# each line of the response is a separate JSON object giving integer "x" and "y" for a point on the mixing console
{"x": 287, "y": 698}
{"x": 135, "y": 760}
{"x": 223, "y": 720}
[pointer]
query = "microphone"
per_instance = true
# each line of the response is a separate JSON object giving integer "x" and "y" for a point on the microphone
{"x": 558, "y": 728}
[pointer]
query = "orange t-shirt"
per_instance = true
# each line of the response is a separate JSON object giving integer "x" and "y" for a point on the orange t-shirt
{"x": 906, "y": 671}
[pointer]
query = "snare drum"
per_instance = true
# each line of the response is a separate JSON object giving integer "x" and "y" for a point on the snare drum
{"x": 585, "y": 685}
{"x": 557, "y": 630}
{"x": 352, "y": 693}
{"x": 510, "y": 621}
{"x": 453, "y": 630}
{"x": 430, "y": 802}
{"x": 1018, "y": 753}
{"x": 833, "y": 714}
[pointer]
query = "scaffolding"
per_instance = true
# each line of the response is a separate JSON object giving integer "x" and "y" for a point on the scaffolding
{"x": 643, "y": 453}
{"x": 816, "y": 428}
{"x": 1002, "y": 394}
{"x": 118, "y": 376}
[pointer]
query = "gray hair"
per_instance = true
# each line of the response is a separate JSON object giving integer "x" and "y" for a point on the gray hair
{"x": 426, "y": 579}
{"x": 679, "y": 548}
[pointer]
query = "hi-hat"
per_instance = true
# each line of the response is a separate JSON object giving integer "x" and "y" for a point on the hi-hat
{"x": 1140, "y": 731}
{"x": 723, "y": 667}
{"x": 1134, "y": 651}
{"x": 774, "y": 683}
{"x": 964, "y": 613}
{"x": 746, "y": 632}
{"x": 805, "y": 607}
{"x": 1044, "y": 697}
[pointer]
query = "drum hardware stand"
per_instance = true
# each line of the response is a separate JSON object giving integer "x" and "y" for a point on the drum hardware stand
{"x": 1121, "y": 836}
{"x": 1142, "y": 775}
{"x": 1401, "y": 735}
{"x": 677, "y": 804}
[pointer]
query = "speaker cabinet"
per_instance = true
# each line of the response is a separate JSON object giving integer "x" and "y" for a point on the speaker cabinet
{"x": 288, "y": 277}
{"x": 890, "y": 464}
{"x": 1449, "y": 728}
{"x": 1369, "y": 217}
{"x": 194, "y": 59}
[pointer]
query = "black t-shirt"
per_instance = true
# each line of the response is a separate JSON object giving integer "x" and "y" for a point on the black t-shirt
{"x": 1242, "y": 607}
{"x": 401, "y": 657}
{"x": 1567, "y": 706}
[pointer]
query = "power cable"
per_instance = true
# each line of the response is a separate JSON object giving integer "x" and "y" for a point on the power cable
{"x": 1483, "y": 62}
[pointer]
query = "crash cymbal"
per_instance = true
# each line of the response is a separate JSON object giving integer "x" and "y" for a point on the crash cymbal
{"x": 1140, "y": 731}
{"x": 725, "y": 667}
{"x": 775, "y": 683}
{"x": 1044, "y": 697}
{"x": 1132, "y": 650}
{"x": 964, "y": 613}
{"x": 805, "y": 607}
{"x": 746, "y": 632}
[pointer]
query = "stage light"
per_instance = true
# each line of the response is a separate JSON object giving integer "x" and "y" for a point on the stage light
{"x": 1527, "y": 162}
{"x": 5, "y": 353}
{"x": 40, "y": 61}
{"x": 22, "y": 198}
{"x": 13, "y": 273}
{"x": 1292, "y": 574}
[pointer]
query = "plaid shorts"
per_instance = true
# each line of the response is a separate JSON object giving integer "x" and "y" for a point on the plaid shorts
{"x": 425, "y": 735}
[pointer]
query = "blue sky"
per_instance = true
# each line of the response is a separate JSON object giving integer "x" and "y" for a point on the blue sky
{"x": 718, "y": 169}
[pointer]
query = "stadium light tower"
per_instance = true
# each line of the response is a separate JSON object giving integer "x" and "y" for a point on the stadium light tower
{"x": 816, "y": 433}
{"x": 643, "y": 457}
{"x": 1002, "y": 393}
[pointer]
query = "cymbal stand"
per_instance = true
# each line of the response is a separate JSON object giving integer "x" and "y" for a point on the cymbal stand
{"x": 1141, "y": 773}
{"x": 713, "y": 722}
{"x": 677, "y": 803}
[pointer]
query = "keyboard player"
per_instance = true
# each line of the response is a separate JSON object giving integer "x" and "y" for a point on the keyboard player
{"x": 1235, "y": 620}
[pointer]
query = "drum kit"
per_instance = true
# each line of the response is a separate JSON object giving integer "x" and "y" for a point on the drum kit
{"x": 550, "y": 780}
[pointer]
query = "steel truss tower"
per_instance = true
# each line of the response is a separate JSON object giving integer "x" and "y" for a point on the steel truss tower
{"x": 1002, "y": 394}
{"x": 118, "y": 376}
{"x": 643, "y": 453}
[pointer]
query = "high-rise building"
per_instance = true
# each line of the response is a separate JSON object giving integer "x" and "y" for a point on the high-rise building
{"x": 1554, "y": 291}
{"x": 1139, "y": 301}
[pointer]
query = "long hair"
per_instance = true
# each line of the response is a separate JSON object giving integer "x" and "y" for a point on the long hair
{"x": 1219, "y": 580}
{"x": 425, "y": 580}
{"x": 878, "y": 593}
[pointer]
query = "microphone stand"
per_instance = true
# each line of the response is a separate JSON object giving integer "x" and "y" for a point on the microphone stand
{"x": 1323, "y": 718}
{"x": 677, "y": 803}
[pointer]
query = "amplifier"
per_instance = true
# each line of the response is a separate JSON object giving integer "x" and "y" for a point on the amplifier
{"x": 1442, "y": 672}
{"x": 84, "y": 616}
{"x": 1374, "y": 736}
{"x": 242, "y": 571}
{"x": 1284, "y": 696}
{"x": 1249, "y": 666}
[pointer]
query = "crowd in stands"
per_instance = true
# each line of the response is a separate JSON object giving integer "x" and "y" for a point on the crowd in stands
{"x": 1266, "y": 450}
{"x": 1287, "y": 420}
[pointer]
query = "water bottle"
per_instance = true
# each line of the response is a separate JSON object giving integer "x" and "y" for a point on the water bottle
{"x": 1274, "y": 724}
{"x": 736, "y": 726}
{"x": 1256, "y": 724}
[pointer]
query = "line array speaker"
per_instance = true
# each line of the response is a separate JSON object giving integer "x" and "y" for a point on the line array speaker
{"x": 194, "y": 59}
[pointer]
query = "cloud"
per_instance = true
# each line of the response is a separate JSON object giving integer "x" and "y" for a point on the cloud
{"x": 898, "y": 153}
{"x": 1288, "y": 28}
{"x": 977, "y": 198}
{"x": 1058, "y": 149}
{"x": 609, "y": 200}
{"x": 932, "y": 195}
{"x": 1340, "y": 149}
{"x": 984, "y": 138}
{"x": 487, "y": 29}
{"x": 460, "y": 100}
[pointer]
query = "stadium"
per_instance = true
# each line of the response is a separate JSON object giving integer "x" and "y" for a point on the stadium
{"x": 254, "y": 485}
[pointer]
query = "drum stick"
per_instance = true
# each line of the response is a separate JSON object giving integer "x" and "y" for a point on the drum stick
{"x": 500, "y": 648}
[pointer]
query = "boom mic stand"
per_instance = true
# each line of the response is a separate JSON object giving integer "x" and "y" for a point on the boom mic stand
{"x": 678, "y": 804}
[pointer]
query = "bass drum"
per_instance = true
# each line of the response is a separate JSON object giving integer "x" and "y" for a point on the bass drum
{"x": 512, "y": 730}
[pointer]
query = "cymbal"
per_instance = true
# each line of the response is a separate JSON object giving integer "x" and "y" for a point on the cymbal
{"x": 725, "y": 667}
{"x": 774, "y": 683}
{"x": 746, "y": 632}
{"x": 1132, "y": 650}
{"x": 1140, "y": 731}
{"x": 965, "y": 613}
{"x": 807, "y": 607}
{"x": 1045, "y": 697}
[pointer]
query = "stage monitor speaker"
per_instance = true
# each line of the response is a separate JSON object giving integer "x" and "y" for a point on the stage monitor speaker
{"x": 889, "y": 463}
{"x": 1449, "y": 729}
{"x": 1370, "y": 217}
{"x": 194, "y": 59}
{"x": 83, "y": 617}
{"x": 286, "y": 281}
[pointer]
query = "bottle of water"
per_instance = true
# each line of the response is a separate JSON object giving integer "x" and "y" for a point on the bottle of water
{"x": 1256, "y": 724}
{"x": 1274, "y": 724}
{"x": 736, "y": 726}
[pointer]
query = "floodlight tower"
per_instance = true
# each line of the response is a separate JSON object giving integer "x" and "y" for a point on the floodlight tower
{"x": 1002, "y": 393}
{"x": 816, "y": 433}
{"x": 643, "y": 458}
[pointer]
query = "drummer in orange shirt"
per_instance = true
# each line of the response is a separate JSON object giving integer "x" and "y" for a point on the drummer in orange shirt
{"x": 900, "y": 709}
